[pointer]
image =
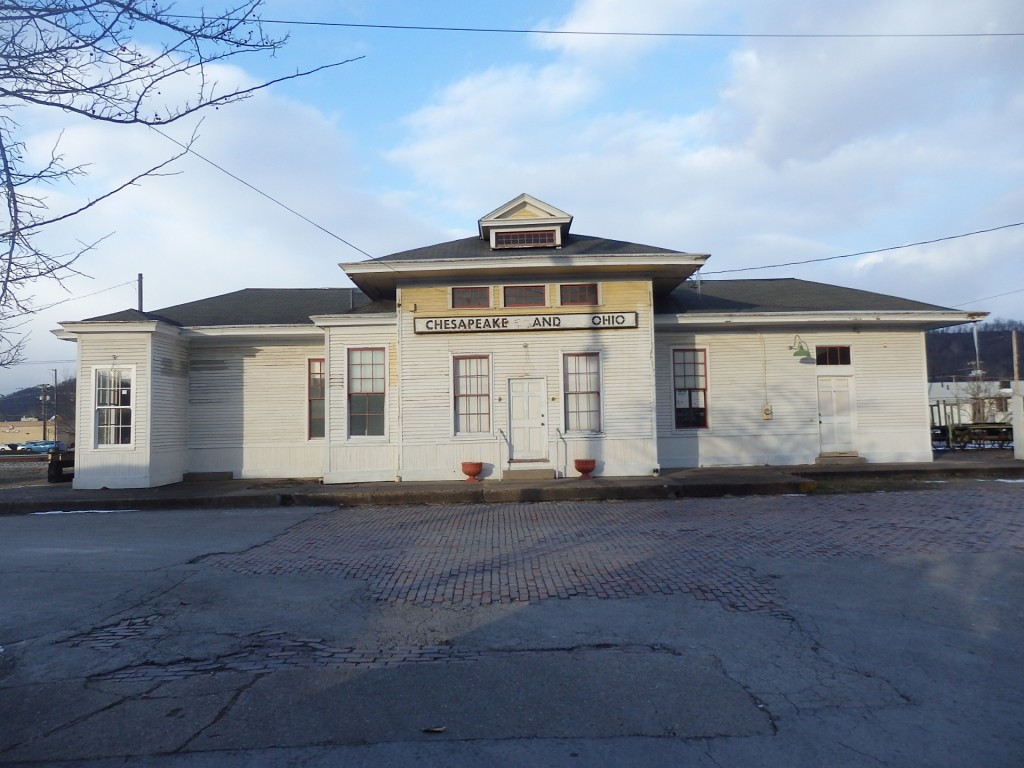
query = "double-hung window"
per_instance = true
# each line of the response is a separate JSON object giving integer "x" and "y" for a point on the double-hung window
{"x": 366, "y": 391}
{"x": 472, "y": 393}
{"x": 315, "y": 394}
{"x": 690, "y": 388}
{"x": 582, "y": 376}
{"x": 114, "y": 406}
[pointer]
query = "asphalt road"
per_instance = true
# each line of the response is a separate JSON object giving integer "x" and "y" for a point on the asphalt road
{"x": 845, "y": 630}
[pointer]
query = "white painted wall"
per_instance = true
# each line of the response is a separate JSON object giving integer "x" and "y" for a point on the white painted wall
{"x": 888, "y": 366}
{"x": 120, "y": 466}
{"x": 431, "y": 450}
{"x": 247, "y": 409}
{"x": 361, "y": 458}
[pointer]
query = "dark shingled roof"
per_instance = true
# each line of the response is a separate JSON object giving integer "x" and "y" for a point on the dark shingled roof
{"x": 260, "y": 306}
{"x": 781, "y": 295}
{"x": 476, "y": 248}
{"x": 293, "y": 306}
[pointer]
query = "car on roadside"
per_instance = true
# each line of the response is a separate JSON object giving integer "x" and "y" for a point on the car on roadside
{"x": 43, "y": 446}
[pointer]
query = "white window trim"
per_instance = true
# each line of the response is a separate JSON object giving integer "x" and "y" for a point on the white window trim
{"x": 602, "y": 393}
{"x": 327, "y": 405}
{"x": 538, "y": 228}
{"x": 456, "y": 435}
{"x": 386, "y": 437}
{"x": 708, "y": 410}
{"x": 94, "y": 407}
{"x": 834, "y": 370}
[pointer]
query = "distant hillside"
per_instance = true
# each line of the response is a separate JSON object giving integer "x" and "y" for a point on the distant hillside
{"x": 952, "y": 356}
{"x": 25, "y": 402}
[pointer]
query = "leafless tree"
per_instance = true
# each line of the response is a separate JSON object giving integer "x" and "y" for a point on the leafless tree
{"x": 126, "y": 62}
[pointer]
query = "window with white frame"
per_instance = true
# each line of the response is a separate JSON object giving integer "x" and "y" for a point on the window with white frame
{"x": 582, "y": 374}
{"x": 472, "y": 393}
{"x": 690, "y": 388}
{"x": 366, "y": 391}
{"x": 315, "y": 391}
{"x": 114, "y": 406}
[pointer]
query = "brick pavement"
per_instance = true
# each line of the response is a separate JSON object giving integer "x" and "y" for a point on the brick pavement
{"x": 472, "y": 555}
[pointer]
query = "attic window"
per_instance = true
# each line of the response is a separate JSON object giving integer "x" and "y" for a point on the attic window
{"x": 533, "y": 239}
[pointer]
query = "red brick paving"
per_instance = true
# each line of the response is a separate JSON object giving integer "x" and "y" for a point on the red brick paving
{"x": 480, "y": 554}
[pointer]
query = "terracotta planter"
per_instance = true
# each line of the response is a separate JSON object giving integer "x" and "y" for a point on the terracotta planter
{"x": 471, "y": 469}
{"x": 585, "y": 467}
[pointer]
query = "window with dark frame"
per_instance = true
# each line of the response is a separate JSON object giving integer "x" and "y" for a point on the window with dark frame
{"x": 475, "y": 297}
{"x": 524, "y": 296}
{"x": 114, "y": 406}
{"x": 472, "y": 392}
{"x": 533, "y": 239}
{"x": 582, "y": 371}
{"x": 366, "y": 391}
{"x": 315, "y": 392}
{"x": 832, "y": 355}
{"x": 579, "y": 293}
{"x": 690, "y": 388}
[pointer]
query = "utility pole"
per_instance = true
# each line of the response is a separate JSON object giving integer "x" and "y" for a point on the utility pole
{"x": 56, "y": 410}
{"x": 1017, "y": 409}
{"x": 42, "y": 406}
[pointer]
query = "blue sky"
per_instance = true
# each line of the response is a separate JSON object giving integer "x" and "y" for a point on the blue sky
{"x": 756, "y": 150}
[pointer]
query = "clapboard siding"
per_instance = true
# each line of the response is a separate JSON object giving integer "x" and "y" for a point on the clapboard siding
{"x": 249, "y": 403}
{"x": 113, "y": 466}
{"x": 887, "y": 367}
{"x": 169, "y": 394}
{"x": 361, "y": 458}
{"x": 432, "y": 450}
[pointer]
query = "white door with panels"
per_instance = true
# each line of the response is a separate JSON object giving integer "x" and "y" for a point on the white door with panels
{"x": 836, "y": 414}
{"x": 527, "y": 400}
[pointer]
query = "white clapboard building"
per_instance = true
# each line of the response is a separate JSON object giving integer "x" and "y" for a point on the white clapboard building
{"x": 523, "y": 348}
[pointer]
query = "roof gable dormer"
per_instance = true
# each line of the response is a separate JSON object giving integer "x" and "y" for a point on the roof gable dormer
{"x": 525, "y": 222}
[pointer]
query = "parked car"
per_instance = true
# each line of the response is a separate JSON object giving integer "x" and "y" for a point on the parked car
{"x": 43, "y": 446}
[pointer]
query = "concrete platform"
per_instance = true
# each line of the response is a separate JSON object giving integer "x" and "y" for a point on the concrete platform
{"x": 34, "y": 494}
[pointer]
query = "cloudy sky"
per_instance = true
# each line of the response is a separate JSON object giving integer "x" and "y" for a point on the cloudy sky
{"x": 759, "y": 150}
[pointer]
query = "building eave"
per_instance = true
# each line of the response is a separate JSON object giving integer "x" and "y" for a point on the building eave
{"x": 354, "y": 321}
{"x": 253, "y": 331}
{"x": 924, "y": 320}
{"x": 667, "y": 270}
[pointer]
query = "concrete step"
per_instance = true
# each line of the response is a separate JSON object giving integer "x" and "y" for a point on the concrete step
{"x": 531, "y": 472}
{"x": 840, "y": 459}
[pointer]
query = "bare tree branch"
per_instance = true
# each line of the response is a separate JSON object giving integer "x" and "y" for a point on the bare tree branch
{"x": 115, "y": 61}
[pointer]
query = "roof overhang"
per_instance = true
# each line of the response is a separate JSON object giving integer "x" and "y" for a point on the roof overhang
{"x": 920, "y": 320}
{"x": 71, "y": 330}
{"x": 354, "y": 321}
{"x": 380, "y": 279}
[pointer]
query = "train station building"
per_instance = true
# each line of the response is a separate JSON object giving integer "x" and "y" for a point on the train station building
{"x": 521, "y": 348}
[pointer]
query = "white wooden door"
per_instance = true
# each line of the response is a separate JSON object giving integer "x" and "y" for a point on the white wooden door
{"x": 836, "y": 414}
{"x": 527, "y": 399}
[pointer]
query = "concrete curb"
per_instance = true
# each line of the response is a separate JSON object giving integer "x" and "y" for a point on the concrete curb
{"x": 682, "y": 484}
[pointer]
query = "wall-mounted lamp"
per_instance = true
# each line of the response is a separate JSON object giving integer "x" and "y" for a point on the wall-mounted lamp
{"x": 799, "y": 348}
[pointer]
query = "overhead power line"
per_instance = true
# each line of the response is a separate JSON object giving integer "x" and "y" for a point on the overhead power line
{"x": 868, "y": 253}
{"x": 259, "y": 191}
{"x": 618, "y": 33}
